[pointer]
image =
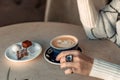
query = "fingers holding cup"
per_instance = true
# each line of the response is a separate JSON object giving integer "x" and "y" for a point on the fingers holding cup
{"x": 66, "y": 53}
{"x": 74, "y": 59}
{"x": 68, "y": 71}
{"x": 71, "y": 67}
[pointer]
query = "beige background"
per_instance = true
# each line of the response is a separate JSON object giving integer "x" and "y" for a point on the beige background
{"x": 66, "y": 10}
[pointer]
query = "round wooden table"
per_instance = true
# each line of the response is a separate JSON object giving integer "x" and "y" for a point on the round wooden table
{"x": 42, "y": 33}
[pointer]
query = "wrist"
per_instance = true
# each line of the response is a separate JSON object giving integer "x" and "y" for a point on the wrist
{"x": 88, "y": 65}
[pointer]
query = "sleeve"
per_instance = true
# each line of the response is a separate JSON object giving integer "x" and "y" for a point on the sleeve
{"x": 88, "y": 16}
{"x": 106, "y": 23}
{"x": 100, "y": 24}
{"x": 105, "y": 70}
{"x": 118, "y": 33}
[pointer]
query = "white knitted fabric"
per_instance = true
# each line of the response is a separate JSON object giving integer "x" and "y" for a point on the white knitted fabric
{"x": 105, "y": 70}
{"x": 98, "y": 25}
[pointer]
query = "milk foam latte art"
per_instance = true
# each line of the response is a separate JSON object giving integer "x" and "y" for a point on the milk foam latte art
{"x": 64, "y": 41}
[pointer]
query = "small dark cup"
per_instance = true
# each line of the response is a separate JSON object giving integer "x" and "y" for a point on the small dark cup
{"x": 63, "y": 43}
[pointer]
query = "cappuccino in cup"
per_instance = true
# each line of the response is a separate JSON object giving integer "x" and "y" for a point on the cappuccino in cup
{"x": 63, "y": 43}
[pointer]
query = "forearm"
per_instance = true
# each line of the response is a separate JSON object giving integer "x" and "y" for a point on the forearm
{"x": 88, "y": 15}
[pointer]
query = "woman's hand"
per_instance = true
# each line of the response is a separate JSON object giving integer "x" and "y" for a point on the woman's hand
{"x": 81, "y": 63}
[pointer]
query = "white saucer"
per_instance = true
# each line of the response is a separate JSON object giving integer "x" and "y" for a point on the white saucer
{"x": 33, "y": 52}
{"x": 48, "y": 57}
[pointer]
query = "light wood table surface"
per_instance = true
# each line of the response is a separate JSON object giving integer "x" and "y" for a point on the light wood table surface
{"x": 42, "y": 33}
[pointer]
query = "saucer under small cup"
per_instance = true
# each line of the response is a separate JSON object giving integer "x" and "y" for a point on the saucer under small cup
{"x": 48, "y": 56}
